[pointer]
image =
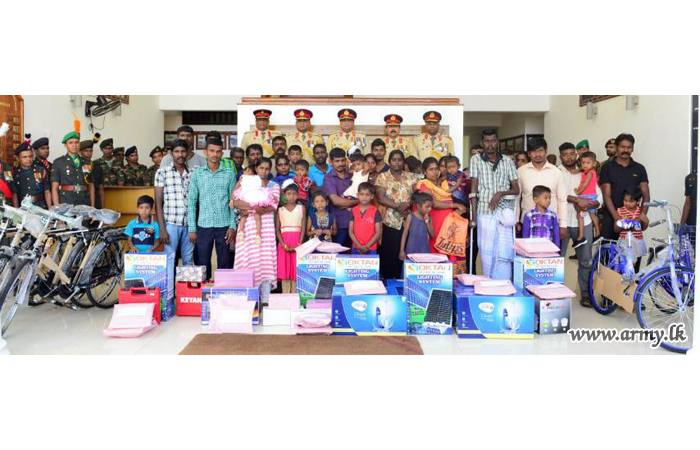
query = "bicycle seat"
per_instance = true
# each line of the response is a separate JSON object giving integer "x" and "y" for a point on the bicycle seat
{"x": 106, "y": 216}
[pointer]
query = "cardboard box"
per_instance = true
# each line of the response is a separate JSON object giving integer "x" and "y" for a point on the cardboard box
{"x": 369, "y": 315}
{"x": 493, "y": 317}
{"x": 316, "y": 276}
{"x": 252, "y": 294}
{"x": 428, "y": 291}
{"x": 152, "y": 270}
{"x": 552, "y": 316}
{"x": 193, "y": 274}
{"x": 527, "y": 271}
{"x": 356, "y": 267}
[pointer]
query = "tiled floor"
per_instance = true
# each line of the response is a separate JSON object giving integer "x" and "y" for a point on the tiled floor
{"x": 51, "y": 330}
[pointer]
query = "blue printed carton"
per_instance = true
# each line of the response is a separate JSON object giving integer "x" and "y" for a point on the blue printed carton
{"x": 316, "y": 276}
{"x": 369, "y": 315}
{"x": 428, "y": 291}
{"x": 527, "y": 271}
{"x": 152, "y": 270}
{"x": 493, "y": 316}
{"x": 356, "y": 267}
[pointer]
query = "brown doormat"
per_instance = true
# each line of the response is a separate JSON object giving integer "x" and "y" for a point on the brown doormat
{"x": 268, "y": 344}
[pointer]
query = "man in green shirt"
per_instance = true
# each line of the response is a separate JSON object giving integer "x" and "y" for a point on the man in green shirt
{"x": 212, "y": 186}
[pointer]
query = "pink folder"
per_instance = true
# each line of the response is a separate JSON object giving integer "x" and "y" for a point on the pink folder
{"x": 468, "y": 279}
{"x": 536, "y": 247}
{"x": 364, "y": 287}
{"x": 493, "y": 287}
{"x": 284, "y": 301}
{"x": 427, "y": 258}
{"x": 131, "y": 320}
{"x": 231, "y": 315}
{"x": 554, "y": 291}
{"x": 234, "y": 279}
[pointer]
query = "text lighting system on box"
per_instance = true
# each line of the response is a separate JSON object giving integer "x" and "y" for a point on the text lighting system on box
{"x": 151, "y": 270}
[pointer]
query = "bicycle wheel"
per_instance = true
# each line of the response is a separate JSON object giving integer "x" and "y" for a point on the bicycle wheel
{"x": 70, "y": 268}
{"x": 606, "y": 257}
{"x": 14, "y": 291}
{"x": 657, "y": 309}
{"x": 105, "y": 274}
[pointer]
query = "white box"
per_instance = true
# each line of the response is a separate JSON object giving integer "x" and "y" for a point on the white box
{"x": 277, "y": 317}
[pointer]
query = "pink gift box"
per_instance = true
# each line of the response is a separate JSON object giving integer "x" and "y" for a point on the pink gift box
{"x": 365, "y": 287}
{"x": 234, "y": 279}
{"x": 231, "y": 315}
{"x": 469, "y": 280}
{"x": 284, "y": 301}
{"x": 554, "y": 291}
{"x": 493, "y": 287}
{"x": 319, "y": 304}
{"x": 131, "y": 320}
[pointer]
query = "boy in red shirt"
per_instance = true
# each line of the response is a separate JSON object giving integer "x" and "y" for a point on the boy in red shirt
{"x": 365, "y": 226}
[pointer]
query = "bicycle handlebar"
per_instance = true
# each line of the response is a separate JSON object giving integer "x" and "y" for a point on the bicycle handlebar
{"x": 657, "y": 223}
{"x": 72, "y": 222}
{"x": 656, "y": 204}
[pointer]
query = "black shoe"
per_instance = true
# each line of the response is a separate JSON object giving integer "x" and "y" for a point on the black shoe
{"x": 580, "y": 242}
{"x": 586, "y": 303}
{"x": 573, "y": 257}
{"x": 597, "y": 239}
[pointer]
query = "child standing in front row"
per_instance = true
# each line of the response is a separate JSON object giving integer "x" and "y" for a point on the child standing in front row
{"x": 321, "y": 223}
{"x": 143, "y": 231}
{"x": 365, "y": 226}
{"x": 418, "y": 227}
{"x": 289, "y": 224}
{"x": 541, "y": 222}
{"x": 588, "y": 189}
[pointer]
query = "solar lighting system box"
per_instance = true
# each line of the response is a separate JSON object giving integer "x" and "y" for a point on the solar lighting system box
{"x": 527, "y": 271}
{"x": 151, "y": 270}
{"x": 552, "y": 316}
{"x": 356, "y": 267}
{"x": 428, "y": 291}
{"x": 209, "y": 291}
{"x": 369, "y": 315}
{"x": 316, "y": 276}
{"x": 493, "y": 316}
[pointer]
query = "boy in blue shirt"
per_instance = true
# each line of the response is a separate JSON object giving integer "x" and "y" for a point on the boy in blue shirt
{"x": 143, "y": 231}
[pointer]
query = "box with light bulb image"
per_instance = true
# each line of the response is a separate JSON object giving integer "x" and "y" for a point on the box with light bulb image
{"x": 369, "y": 315}
{"x": 493, "y": 317}
{"x": 552, "y": 316}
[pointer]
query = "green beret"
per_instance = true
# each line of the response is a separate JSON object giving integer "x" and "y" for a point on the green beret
{"x": 583, "y": 143}
{"x": 69, "y": 136}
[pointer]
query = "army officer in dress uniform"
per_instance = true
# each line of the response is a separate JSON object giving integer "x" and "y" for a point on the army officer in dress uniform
{"x": 303, "y": 137}
{"x": 432, "y": 142}
{"x": 30, "y": 179}
{"x": 393, "y": 139}
{"x": 347, "y": 136}
{"x": 132, "y": 173}
{"x": 41, "y": 153}
{"x": 262, "y": 134}
{"x": 71, "y": 175}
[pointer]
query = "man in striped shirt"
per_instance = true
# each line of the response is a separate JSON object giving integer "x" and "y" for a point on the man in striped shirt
{"x": 212, "y": 186}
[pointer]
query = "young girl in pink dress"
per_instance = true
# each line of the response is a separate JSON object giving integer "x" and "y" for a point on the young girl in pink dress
{"x": 289, "y": 224}
{"x": 253, "y": 193}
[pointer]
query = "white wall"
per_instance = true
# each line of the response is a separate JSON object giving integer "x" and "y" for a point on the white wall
{"x": 140, "y": 123}
{"x": 660, "y": 125}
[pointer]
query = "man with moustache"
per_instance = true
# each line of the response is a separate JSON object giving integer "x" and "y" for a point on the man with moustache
{"x": 393, "y": 139}
{"x": 262, "y": 134}
{"x": 303, "y": 137}
{"x": 193, "y": 160}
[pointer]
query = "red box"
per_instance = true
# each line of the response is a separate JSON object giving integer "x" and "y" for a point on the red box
{"x": 188, "y": 298}
{"x": 142, "y": 295}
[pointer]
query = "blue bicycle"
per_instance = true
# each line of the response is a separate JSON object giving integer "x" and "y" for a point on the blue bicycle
{"x": 664, "y": 296}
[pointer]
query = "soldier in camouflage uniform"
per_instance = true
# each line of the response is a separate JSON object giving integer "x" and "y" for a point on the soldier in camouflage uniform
{"x": 150, "y": 175}
{"x": 107, "y": 166}
{"x": 132, "y": 173}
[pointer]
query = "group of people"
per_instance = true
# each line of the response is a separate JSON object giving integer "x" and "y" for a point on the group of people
{"x": 257, "y": 206}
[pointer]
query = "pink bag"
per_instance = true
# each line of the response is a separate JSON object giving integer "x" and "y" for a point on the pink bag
{"x": 365, "y": 287}
{"x": 284, "y": 301}
{"x": 312, "y": 322}
{"x": 554, "y": 291}
{"x": 468, "y": 279}
{"x": 494, "y": 287}
{"x": 234, "y": 279}
{"x": 331, "y": 247}
{"x": 131, "y": 320}
{"x": 307, "y": 247}
{"x": 427, "y": 258}
{"x": 231, "y": 315}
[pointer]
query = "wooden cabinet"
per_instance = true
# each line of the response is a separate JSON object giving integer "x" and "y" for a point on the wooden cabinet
{"x": 12, "y": 113}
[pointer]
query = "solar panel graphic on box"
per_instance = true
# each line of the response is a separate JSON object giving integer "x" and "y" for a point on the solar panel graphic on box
{"x": 151, "y": 270}
{"x": 316, "y": 276}
{"x": 527, "y": 271}
{"x": 356, "y": 267}
{"x": 493, "y": 316}
{"x": 428, "y": 291}
{"x": 369, "y": 315}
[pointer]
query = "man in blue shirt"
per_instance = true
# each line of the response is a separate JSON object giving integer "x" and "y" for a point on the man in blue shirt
{"x": 318, "y": 171}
